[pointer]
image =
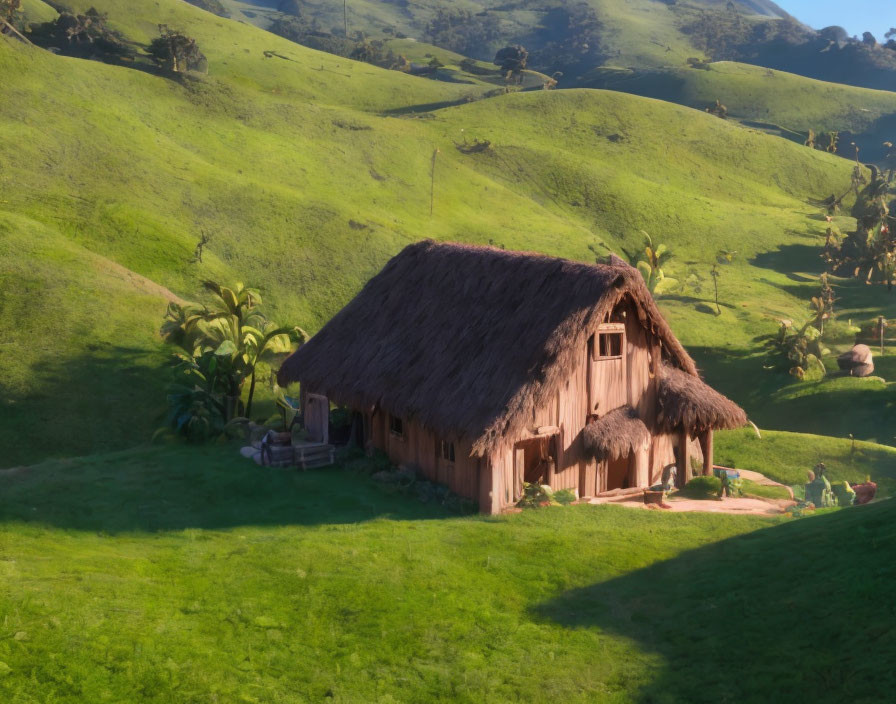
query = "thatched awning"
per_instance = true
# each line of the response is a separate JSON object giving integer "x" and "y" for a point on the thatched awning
{"x": 470, "y": 340}
{"x": 618, "y": 434}
{"x": 685, "y": 401}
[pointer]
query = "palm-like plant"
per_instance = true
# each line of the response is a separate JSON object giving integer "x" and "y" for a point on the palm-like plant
{"x": 222, "y": 345}
{"x": 819, "y": 312}
{"x": 650, "y": 262}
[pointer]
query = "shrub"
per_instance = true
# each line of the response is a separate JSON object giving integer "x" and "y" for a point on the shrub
{"x": 534, "y": 495}
{"x": 564, "y": 496}
{"x": 702, "y": 488}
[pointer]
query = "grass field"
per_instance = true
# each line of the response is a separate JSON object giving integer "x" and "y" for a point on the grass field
{"x": 193, "y": 575}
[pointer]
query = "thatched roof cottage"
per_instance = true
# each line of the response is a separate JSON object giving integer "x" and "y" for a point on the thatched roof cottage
{"x": 486, "y": 368}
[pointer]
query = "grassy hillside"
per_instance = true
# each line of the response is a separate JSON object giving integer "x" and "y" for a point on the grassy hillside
{"x": 786, "y": 457}
{"x": 309, "y": 171}
{"x": 780, "y": 102}
{"x": 194, "y": 575}
{"x": 632, "y": 32}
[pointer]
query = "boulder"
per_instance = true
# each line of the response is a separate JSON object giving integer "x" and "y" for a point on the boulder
{"x": 858, "y": 361}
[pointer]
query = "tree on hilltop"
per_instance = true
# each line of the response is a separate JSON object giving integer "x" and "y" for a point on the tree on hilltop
{"x": 512, "y": 61}
{"x": 176, "y": 52}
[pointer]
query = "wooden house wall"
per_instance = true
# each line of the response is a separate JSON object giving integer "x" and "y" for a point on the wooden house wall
{"x": 421, "y": 449}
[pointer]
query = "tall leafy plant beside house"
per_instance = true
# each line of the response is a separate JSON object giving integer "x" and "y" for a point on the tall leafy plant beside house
{"x": 650, "y": 261}
{"x": 218, "y": 349}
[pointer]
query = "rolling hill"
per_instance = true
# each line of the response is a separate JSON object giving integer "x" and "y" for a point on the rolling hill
{"x": 643, "y": 47}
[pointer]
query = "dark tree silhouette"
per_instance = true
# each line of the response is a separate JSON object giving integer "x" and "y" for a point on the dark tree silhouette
{"x": 9, "y": 9}
{"x": 512, "y": 61}
{"x": 176, "y": 52}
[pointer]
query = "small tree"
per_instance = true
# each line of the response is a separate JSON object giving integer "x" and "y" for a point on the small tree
{"x": 799, "y": 351}
{"x": 175, "y": 52}
{"x": 716, "y": 274}
{"x": 723, "y": 256}
{"x": 9, "y": 9}
{"x": 718, "y": 110}
{"x": 512, "y": 61}
{"x": 204, "y": 239}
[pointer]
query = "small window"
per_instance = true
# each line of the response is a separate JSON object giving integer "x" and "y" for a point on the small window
{"x": 396, "y": 426}
{"x": 609, "y": 345}
{"x": 447, "y": 450}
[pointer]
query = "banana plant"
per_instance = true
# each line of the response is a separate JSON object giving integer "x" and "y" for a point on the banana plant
{"x": 819, "y": 312}
{"x": 650, "y": 262}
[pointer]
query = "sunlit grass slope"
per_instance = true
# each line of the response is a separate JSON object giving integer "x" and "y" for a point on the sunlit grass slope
{"x": 192, "y": 575}
{"x": 309, "y": 172}
{"x": 634, "y": 32}
{"x": 777, "y": 100}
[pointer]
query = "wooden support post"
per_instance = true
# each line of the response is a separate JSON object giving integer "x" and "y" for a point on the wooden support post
{"x": 640, "y": 467}
{"x": 488, "y": 498}
{"x": 684, "y": 460}
{"x": 519, "y": 473}
{"x": 706, "y": 446}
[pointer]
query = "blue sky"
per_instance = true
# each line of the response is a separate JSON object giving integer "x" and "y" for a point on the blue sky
{"x": 856, "y": 16}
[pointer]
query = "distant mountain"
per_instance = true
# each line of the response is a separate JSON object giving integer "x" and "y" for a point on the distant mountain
{"x": 573, "y": 37}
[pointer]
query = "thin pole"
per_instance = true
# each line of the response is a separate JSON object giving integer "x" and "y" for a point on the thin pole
{"x": 432, "y": 182}
{"x": 345, "y": 15}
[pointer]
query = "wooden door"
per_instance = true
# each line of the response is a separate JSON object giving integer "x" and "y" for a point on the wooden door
{"x": 617, "y": 473}
{"x": 317, "y": 418}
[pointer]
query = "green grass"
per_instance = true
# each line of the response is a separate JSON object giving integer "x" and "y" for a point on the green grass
{"x": 190, "y": 574}
{"x": 786, "y": 457}
{"x": 309, "y": 179}
{"x": 708, "y": 488}
{"x": 780, "y": 102}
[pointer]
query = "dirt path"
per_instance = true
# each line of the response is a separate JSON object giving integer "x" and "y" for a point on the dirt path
{"x": 744, "y": 506}
{"x": 137, "y": 281}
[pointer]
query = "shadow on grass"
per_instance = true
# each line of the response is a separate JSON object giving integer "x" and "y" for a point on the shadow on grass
{"x": 103, "y": 398}
{"x": 836, "y": 405}
{"x": 798, "y": 612}
{"x": 208, "y": 487}
{"x": 790, "y": 258}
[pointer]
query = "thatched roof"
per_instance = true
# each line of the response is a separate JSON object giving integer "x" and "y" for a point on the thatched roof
{"x": 618, "y": 434}
{"x": 469, "y": 340}
{"x": 686, "y": 401}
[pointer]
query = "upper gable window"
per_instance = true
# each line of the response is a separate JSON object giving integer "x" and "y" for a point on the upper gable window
{"x": 608, "y": 343}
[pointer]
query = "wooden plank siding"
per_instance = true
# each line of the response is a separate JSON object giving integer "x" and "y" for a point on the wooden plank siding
{"x": 419, "y": 448}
